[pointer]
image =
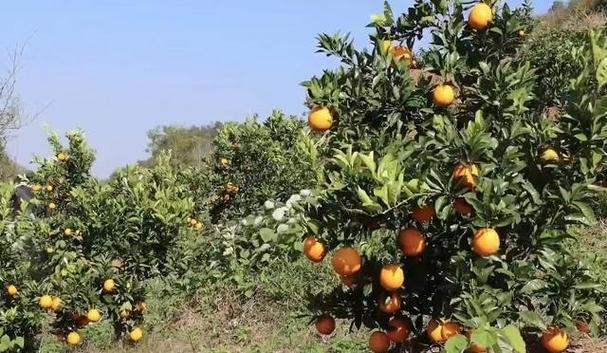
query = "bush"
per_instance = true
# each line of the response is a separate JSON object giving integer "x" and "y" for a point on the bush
{"x": 464, "y": 155}
{"x": 256, "y": 161}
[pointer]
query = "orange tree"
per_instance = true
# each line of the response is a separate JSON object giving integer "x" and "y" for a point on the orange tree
{"x": 84, "y": 253}
{"x": 254, "y": 162}
{"x": 449, "y": 194}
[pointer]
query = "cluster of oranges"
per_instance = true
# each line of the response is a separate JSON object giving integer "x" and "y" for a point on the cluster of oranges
{"x": 347, "y": 262}
{"x": 93, "y": 315}
{"x": 193, "y": 223}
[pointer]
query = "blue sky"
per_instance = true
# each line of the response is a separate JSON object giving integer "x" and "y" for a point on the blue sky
{"x": 119, "y": 68}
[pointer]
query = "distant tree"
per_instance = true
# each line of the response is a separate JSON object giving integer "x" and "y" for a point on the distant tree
{"x": 189, "y": 146}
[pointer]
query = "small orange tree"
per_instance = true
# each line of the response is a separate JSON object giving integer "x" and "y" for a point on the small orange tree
{"x": 451, "y": 189}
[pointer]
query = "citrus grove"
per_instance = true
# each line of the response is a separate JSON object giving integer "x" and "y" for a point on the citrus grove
{"x": 450, "y": 197}
{"x": 437, "y": 194}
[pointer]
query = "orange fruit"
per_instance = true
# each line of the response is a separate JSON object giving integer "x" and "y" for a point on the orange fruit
{"x": 313, "y": 249}
{"x": 62, "y": 156}
{"x": 325, "y": 324}
{"x": 462, "y": 207}
{"x": 36, "y": 187}
{"x": 73, "y": 338}
{"x": 320, "y": 119}
{"x": 52, "y": 206}
{"x": 402, "y": 53}
{"x": 346, "y": 261}
{"x": 224, "y": 162}
{"x": 12, "y": 290}
{"x": 46, "y": 302}
{"x": 67, "y": 231}
{"x": 379, "y": 342}
{"x": 49, "y": 188}
{"x": 480, "y": 16}
{"x": 434, "y": 330}
{"x": 486, "y": 242}
{"x": 423, "y": 214}
{"x": 136, "y": 334}
{"x": 521, "y": 34}
{"x": 391, "y": 277}
{"x": 555, "y": 340}
{"x": 93, "y": 315}
{"x": 56, "y": 303}
{"x": 399, "y": 330}
{"x": 549, "y": 156}
{"x": 391, "y": 304}
{"x": 449, "y": 330}
{"x": 439, "y": 331}
{"x": 411, "y": 241}
{"x": 443, "y": 95}
{"x": 466, "y": 174}
{"x": 108, "y": 285}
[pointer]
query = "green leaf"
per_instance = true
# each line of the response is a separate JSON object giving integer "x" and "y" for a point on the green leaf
{"x": 514, "y": 338}
{"x": 532, "y": 286}
{"x": 601, "y": 73}
{"x": 20, "y": 342}
{"x": 586, "y": 211}
{"x": 456, "y": 344}
{"x": 267, "y": 235}
{"x": 533, "y": 319}
{"x": 483, "y": 338}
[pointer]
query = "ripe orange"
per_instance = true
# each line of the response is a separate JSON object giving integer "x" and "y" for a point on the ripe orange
{"x": 391, "y": 304}
{"x": 52, "y": 206}
{"x": 108, "y": 285}
{"x": 12, "y": 290}
{"x": 379, "y": 342}
{"x": 411, "y": 241}
{"x": 434, "y": 330}
{"x": 480, "y": 16}
{"x": 391, "y": 277}
{"x": 62, "y": 156}
{"x": 462, "y": 207}
{"x": 439, "y": 331}
{"x": 423, "y": 214}
{"x": 136, "y": 334}
{"x": 346, "y": 261}
{"x": 314, "y": 250}
{"x": 402, "y": 53}
{"x": 73, "y": 338}
{"x": 224, "y": 162}
{"x": 521, "y": 34}
{"x": 49, "y": 188}
{"x": 465, "y": 175}
{"x": 46, "y": 302}
{"x": 56, "y": 303}
{"x": 399, "y": 330}
{"x": 67, "y": 231}
{"x": 320, "y": 119}
{"x": 449, "y": 330}
{"x": 549, "y": 156}
{"x": 36, "y": 187}
{"x": 486, "y": 242}
{"x": 93, "y": 315}
{"x": 325, "y": 324}
{"x": 443, "y": 95}
{"x": 555, "y": 340}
